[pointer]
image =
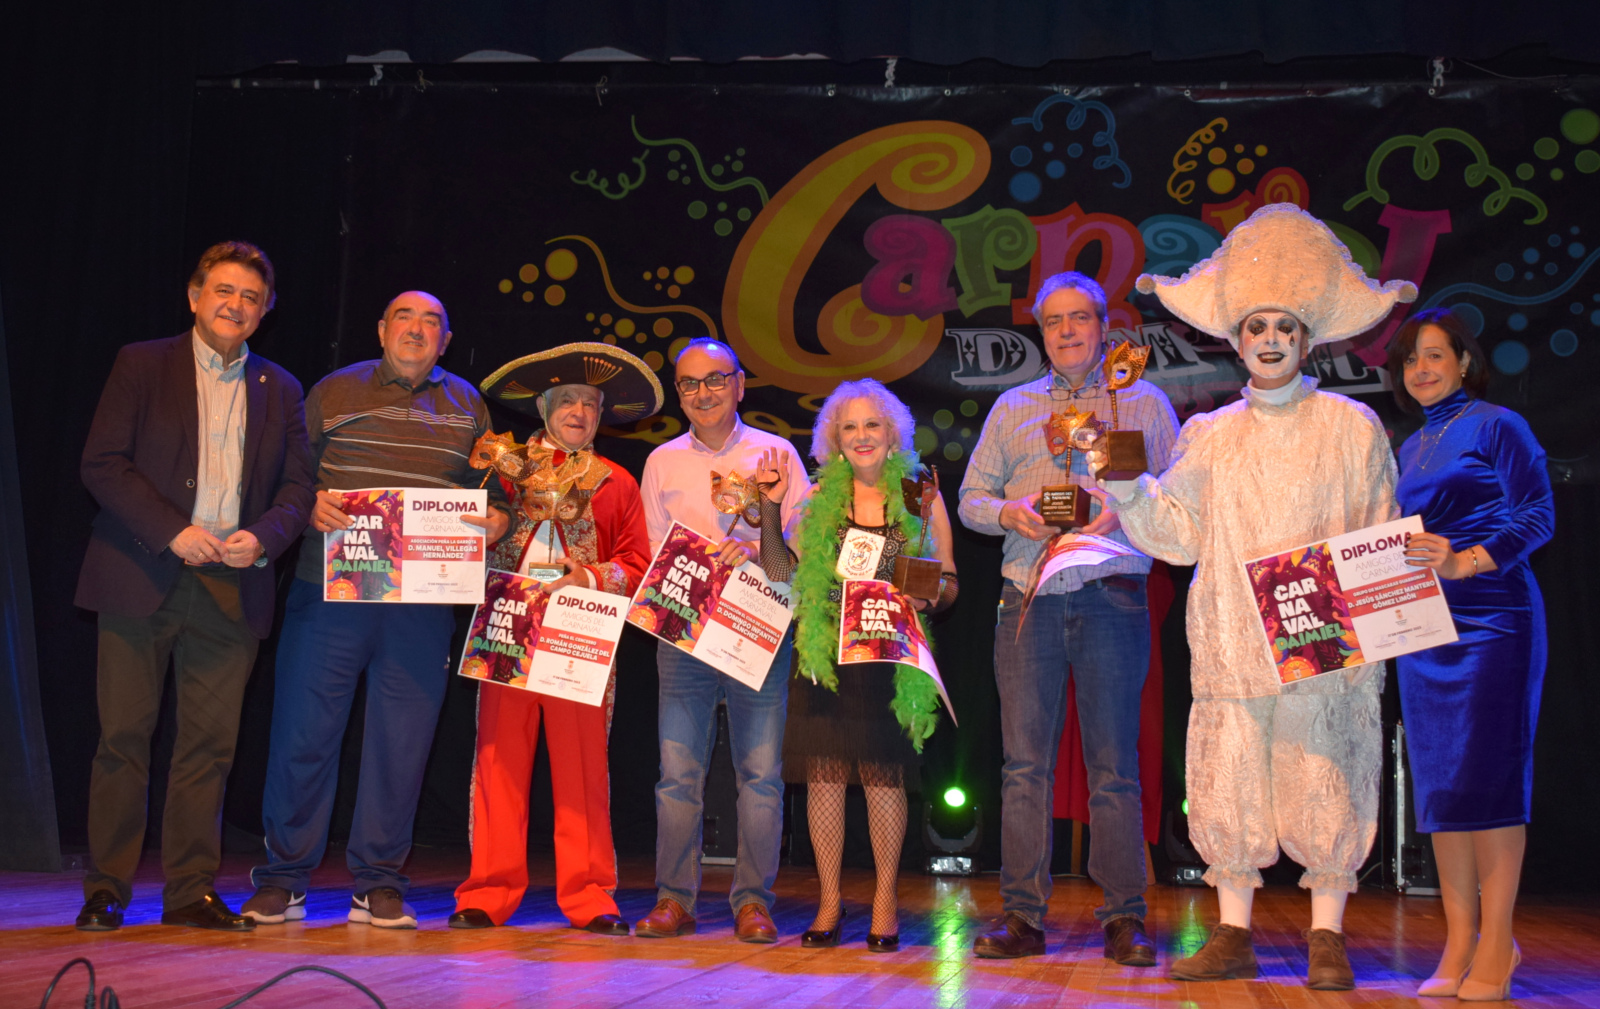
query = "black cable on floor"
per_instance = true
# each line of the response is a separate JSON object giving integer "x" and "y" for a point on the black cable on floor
{"x": 108, "y": 997}
{"x": 368, "y": 992}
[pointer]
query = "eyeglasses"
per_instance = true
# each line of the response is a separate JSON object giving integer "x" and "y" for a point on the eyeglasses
{"x": 715, "y": 381}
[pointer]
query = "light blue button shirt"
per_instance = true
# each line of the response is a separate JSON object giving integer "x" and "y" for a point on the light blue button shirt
{"x": 1012, "y": 460}
{"x": 223, "y": 400}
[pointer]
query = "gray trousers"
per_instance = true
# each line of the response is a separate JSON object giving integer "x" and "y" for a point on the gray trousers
{"x": 200, "y": 627}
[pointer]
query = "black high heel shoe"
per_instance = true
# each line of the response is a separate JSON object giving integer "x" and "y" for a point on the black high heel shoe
{"x": 820, "y": 938}
{"x": 882, "y": 943}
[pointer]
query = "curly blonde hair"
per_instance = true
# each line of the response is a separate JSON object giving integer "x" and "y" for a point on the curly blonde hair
{"x": 825, "y": 432}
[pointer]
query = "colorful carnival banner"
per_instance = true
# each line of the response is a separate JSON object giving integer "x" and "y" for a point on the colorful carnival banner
{"x": 398, "y": 530}
{"x": 1347, "y": 601}
{"x": 899, "y": 233}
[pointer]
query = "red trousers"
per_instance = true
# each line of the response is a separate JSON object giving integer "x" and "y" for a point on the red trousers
{"x": 580, "y": 783}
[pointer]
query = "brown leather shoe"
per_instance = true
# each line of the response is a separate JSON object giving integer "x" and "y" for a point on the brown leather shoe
{"x": 208, "y": 912}
{"x": 1011, "y": 937}
{"x": 1127, "y": 944}
{"x": 102, "y": 912}
{"x": 1329, "y": 968}
{"x": 754, "y": 924}
{"x": 1228, "y": 954}
{"x": 667, "y": 919}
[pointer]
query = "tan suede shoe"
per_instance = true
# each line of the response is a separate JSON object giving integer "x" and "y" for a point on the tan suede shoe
{"x": 1228, "y": 954}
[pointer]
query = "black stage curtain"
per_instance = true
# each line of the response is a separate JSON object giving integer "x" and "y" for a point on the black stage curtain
{"x": 28, "y": 830}
{"x": 1025, "y": 33}
{"x": 97, "y": 119}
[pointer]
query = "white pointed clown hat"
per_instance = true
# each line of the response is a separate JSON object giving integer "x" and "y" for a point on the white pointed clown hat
{"x": 1280, "y": 259}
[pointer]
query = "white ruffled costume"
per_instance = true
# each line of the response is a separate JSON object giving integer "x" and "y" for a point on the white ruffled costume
{"x": 1270, "y": 764}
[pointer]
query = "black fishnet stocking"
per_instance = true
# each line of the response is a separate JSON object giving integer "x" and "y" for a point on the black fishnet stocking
{"x": 825, "y": 811}
{"x": 884, "y": 785}
{"x": 886, "y": 820}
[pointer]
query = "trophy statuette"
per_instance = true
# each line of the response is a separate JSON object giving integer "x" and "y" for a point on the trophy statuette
{"x": 1066, "y": 506}
{"x": 1124, "y": 450}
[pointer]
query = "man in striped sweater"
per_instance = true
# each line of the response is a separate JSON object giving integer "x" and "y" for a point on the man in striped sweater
{"x": 399, "y": 421}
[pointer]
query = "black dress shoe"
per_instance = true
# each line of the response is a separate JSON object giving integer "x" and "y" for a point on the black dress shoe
{"x": 882, "y": 943}
{"x": 102, "y": 912}
{"x": 820, "y": 938}
{"x": 1011, "y": 937}
{"x": 470, "y": 917}
{"x": 607, "y": 924}
{"x": 1127, "y": 944}
{"x": 208, "y": 912}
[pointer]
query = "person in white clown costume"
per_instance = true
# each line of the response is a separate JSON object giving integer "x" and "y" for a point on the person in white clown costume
{"x": 1271, "y": 765}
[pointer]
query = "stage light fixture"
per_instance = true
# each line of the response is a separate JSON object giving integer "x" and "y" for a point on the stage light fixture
{"x": 952, "y": 832}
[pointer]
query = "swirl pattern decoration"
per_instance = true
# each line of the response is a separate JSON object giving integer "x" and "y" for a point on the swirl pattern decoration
{"x": 1183, "y": 192}
{"x": 919, "y": 166}
{"x": 1425, "y": 162}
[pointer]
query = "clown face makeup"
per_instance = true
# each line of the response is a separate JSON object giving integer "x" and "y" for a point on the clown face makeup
{"x": 1271, "y": 344}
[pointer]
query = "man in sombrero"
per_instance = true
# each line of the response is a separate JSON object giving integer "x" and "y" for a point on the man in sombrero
{"x": 579, "y": 514}
{"x": 1294, "y": 765}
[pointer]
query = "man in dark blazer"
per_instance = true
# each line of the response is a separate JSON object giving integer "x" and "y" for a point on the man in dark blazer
{"x": 199, "y": 461}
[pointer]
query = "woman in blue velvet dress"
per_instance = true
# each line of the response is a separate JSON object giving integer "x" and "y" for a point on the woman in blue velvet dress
{"x": 1477, "y": 477}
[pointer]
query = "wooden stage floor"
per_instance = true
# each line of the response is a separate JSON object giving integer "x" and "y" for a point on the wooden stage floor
{"x": 537, "y": 961}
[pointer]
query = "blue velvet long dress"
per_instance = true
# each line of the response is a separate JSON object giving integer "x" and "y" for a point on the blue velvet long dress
{"x": 1477, "y": 476}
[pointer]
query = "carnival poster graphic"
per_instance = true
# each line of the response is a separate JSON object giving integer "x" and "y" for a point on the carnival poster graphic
{"x": 505, "y": 630}
{"x": 1304, "y": 612}
{"x": 879, "y": 623}
{"x": 363, "y": 562}
{"x": 679, "y": 589}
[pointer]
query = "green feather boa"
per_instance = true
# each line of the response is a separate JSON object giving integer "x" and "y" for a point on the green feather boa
{"x": 916, "y": 699}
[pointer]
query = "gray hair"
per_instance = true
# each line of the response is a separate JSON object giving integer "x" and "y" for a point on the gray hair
{"x": 1077, "y": 282}
{"x": 825, "y": 431}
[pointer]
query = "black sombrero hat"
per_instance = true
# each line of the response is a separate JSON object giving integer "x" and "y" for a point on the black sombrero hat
{"x": 631, "y": 389}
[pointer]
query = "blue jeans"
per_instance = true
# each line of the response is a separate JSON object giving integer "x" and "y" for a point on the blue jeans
{"x": 405, "y": 650}
{"x": 690, "y": 690}
{"x": 1100, "y": 636}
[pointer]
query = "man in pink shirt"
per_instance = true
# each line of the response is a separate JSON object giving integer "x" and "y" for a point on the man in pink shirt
{"x": 677, "y": 487}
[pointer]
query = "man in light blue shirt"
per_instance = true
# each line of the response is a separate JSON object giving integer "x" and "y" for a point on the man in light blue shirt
{"x": 1089, "y": 623}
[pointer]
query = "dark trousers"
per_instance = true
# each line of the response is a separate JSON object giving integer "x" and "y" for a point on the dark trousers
{"x": 1099, "y": 636}
{"x": 201, "y": 628}
{"x": 405, "y": 650}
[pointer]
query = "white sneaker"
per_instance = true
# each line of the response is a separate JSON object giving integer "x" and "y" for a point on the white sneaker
{"x": 273, "y": 905}
{"x": 382, "y": 907}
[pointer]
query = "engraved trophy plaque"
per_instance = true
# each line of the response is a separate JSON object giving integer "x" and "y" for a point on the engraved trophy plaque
{"x": 1066, "y": 506}
{"x": 1124, "y": 450}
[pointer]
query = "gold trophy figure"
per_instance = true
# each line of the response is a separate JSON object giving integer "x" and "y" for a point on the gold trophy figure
{"x": 1124, "y": 450}
{"x": 1066, "y": 505}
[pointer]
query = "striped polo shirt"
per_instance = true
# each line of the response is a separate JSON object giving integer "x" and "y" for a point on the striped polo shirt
{"x": 370, "y": 428}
